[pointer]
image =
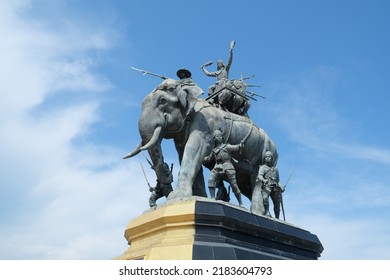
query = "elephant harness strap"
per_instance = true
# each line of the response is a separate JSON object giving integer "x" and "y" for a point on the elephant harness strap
{"x": 231, "y": 128}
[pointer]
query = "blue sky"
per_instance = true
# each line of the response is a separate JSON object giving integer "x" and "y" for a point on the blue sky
{"x": 70, "y": 107}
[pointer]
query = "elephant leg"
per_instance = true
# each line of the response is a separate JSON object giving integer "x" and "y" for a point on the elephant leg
{"x": 157, "y": 158}
{"x": 199, "y": 188}
{"x": 190, "y": 170}
{"x": 257, "y": 202}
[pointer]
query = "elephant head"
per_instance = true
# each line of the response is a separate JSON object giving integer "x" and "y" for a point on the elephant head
{"x": 164, "y": 113}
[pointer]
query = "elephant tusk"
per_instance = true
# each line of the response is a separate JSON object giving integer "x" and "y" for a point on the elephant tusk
{"x": 133, "y": 153}
{"x": 154, "y": 139}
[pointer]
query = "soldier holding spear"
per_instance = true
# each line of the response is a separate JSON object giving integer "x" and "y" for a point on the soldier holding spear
{"x": 269, "y": 176}
{"x": 161, "y": 189}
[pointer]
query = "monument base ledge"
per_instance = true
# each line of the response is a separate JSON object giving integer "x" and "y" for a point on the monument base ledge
{"x": 197, "y": 228}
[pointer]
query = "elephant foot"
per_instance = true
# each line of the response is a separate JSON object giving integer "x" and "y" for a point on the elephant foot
{"x": 257, "y": 210}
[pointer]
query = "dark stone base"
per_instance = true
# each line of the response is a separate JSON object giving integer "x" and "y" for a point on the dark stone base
{"x": 223, "y": 232}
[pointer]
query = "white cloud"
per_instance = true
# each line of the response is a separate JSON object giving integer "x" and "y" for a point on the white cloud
{"x": 340, "y": 191}
{"x": 361, "y": 151}
{"x": 343, "y": 238}
{"x": 307, "y": 112}
{"x": 39, "y": 57}
{"x": 67, "y": 194}
{"x": 65, "y": 197}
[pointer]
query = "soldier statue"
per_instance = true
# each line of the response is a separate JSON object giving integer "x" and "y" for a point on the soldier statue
{"x": 162, "y": 188}
{"x": 222, "y": 73}
{"x": 185, "y": 76}
{"x": 271, "y": 186}
{"x": 223, "y": 168}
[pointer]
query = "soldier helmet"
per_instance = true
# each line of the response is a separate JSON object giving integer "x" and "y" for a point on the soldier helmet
{"x": 268, "y": 153}
{"x": 183, "y": 73}
{"x": 216, "y": 133}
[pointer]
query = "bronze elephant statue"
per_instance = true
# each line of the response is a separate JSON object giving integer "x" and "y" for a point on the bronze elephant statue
{"x": 174, "y": 110}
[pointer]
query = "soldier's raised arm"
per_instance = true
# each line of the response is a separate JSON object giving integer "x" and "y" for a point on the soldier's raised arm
{"x": 230, "y": 59}
{"x": 203, "y": 68}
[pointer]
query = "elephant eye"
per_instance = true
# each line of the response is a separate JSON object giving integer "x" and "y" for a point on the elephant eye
{"x": 162, "y": 101}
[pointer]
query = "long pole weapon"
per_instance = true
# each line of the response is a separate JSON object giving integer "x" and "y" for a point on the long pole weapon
{"x": 281, "y": 194}
{"x": 146, "y": 178}
{"x": 289, "y": 177}
{"x": 149, "y": 73}
{"x": 281, "y": 204}
{"x": 151, "y": 164}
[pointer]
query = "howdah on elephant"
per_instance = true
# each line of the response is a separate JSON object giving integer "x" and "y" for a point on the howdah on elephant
{"x": 174, "y": 110}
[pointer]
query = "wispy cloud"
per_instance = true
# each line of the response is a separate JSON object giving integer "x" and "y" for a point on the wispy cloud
{"x": 340, "y": 190}
{"x": 61, "y": 196}
{"x": 355, "y": 239}
{"x": 361, "y": 151}
{"x": 308, "y": 113}
{"x": 40, "y": 58}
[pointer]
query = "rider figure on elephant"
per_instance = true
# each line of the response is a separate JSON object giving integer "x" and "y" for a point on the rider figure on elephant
{"x": 229, "y": 95}
{"x": 222, "y": 75}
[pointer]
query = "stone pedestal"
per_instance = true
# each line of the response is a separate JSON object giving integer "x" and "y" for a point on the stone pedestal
{"x": 201, "y": 229}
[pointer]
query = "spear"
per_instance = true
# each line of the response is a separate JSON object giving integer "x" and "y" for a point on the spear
{"x": 247, "y": 77}
{"x": 288, "y": 179}
{"x": 146, "y": 178}
{"x": 151, "y": 164}
{"x": 149, "y": 73}
{"x": 252, "y": 93}
{"x": 250, "y": 85}
{"x": 283, "y": 189}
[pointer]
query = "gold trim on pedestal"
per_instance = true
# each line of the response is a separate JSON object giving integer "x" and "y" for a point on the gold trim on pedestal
{"x": 166, "y": 233}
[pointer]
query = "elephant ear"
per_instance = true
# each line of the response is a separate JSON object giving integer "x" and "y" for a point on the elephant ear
{"x": 188, "y": 95}
{"x": 194, "y": 90}
{"x": 182, "y": 95}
